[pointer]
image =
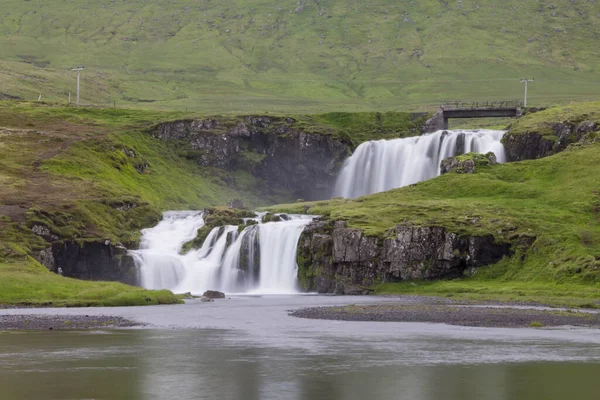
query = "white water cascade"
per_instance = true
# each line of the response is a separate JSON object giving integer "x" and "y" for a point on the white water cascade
{"x": 382, "y": 165}
{"x": 260, "y": 259}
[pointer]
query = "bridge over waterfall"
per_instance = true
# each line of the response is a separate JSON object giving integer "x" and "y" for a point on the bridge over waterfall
{"x": 471, "y": 109}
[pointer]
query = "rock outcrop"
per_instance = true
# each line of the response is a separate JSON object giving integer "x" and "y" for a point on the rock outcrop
{"x": 531, "y": 145}
{"x": 273, "y": 149}
{"x": 467, "y": 163}
{"x": 335, "y": 259}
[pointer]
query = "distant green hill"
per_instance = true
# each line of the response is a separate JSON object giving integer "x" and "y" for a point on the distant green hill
{"x": 299, "y": 55}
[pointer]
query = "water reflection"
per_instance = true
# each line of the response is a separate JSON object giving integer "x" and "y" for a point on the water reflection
{"x": 207, "y": 364}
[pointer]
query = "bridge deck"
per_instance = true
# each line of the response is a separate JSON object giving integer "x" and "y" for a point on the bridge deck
{"x": 470, "y": 109}
{"x": 482, "y": 112}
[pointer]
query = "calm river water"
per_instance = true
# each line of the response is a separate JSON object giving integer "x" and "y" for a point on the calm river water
{"x": 248, "y": 348}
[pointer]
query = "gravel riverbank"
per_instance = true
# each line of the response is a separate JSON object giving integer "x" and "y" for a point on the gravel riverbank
{"x": 462, "y": 315}
{"x": 51, "y": 322}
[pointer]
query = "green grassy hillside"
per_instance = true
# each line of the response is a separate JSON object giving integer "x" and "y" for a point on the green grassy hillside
{"x": 299, "y": 56}
{"x": 554, "y": 200}
{"x": 93, "y": 174}
{"x": 71, "y": 170}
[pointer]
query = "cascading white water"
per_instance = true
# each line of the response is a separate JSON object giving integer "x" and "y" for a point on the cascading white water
{"x": 160, "y": 247}
{"x": 278, "y": 268}
{"x": 260, "y": 259}
{"x": 382, "y": 165}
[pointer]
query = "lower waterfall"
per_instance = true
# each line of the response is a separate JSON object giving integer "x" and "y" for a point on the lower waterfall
{"x": 260, "y": 259}
{"x": 382, "y": 165}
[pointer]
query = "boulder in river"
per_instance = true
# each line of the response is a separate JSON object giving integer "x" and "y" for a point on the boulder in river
{"x": 214, "y": 294}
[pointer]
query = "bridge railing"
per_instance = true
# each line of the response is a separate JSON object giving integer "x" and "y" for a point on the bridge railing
{"x": 453, "y": 105}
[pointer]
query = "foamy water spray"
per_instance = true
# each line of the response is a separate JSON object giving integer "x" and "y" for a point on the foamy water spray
{"x": 382, "y": 165}
{"x": 260, "y": 259}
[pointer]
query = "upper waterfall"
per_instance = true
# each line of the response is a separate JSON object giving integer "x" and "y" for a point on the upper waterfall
{"x": 260, "y": 259}
{"x": 382, "y": 165}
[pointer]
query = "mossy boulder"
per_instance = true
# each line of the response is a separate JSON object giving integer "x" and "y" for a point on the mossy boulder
{"x": 466, "y": 163}
{"x": 268, "y": 217}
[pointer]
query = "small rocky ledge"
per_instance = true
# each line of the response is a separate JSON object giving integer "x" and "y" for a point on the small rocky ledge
{"x": 333, "y": 258}
{"x": 532, "y": 145}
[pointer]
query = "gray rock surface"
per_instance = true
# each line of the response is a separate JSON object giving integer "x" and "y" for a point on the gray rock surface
{"x": 335, "y": 259}
{"x": 532, "y": 145}
{"x": 213, "y": 294}
{"x": 453, "y": 315}
{"x": 273, "y": 149}
{"x": 62, "y": 322}
{"x": 97, "y": 260}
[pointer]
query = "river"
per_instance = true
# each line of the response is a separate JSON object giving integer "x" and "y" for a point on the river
{"x": 247, "y": 347}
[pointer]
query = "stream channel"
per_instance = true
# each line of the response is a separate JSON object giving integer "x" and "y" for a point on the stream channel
{"x": 247, "y": 347}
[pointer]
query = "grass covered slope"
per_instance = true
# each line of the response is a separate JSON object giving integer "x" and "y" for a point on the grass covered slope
{"x": 554, "y": 201}
{"x": 543, "y": 121}
{"x": 28, "y": 283}
{"x": 85, "y": 175}
{"x": 298, "y": 56}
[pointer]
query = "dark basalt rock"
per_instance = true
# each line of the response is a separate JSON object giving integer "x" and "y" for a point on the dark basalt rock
{"x": 91, "y": 261}
{"x": 214, "y": 294}
{"x": 340, "y": 260}
{"x": 273, "y": 149}
{"x": 533, "y": 145}
{"x": 527, "y": 146}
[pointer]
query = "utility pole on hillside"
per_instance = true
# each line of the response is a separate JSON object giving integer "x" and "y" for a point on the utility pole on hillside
{"x": 78, "y": 70}
{"x": 526, "y": 82}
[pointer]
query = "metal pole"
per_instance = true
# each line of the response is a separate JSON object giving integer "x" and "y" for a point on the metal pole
{"x": 526, "y": 82}
{"x": 78, "y": 70}
{"x": 79, "y": 73}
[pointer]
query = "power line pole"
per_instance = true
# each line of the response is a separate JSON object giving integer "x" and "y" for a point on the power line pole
{"x": 78, "y": 69}
{"x": 526, "y": 82}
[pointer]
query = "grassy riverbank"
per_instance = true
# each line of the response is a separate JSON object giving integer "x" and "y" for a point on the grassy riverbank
{"x": 482, "y": 288}
{"x": 27, "y": 283}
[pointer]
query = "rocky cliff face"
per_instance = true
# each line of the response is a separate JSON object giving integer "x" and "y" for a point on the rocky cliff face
{"x": 91, "y": 261}
{"x": 274, "y": 150}
{"x": 335, "y": 259}
{"x": 531, "y": 145}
